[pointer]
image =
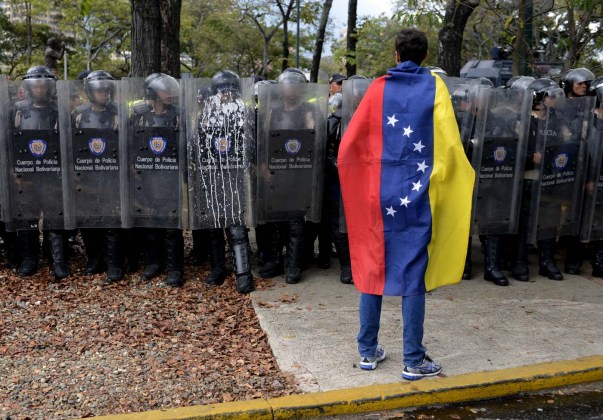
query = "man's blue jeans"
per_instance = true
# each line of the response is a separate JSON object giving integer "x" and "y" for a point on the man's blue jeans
{"x": 413, "y": 316}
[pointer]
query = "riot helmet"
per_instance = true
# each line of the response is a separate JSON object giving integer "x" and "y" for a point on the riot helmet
{"x": 256, "y": 87}
{"x": 543, "y": 88}
{"x": 161, "y": 87}
{"x": 292, "y": 75}
{"x": 225, "y": 81}
{"x": 596, "y": 88}
{"x": 573, "y": 77}
{"x": 357, "y": 77}
{"x": 511, "y": 81}
{"x": 100, "y": 87}
{"x": 292, "y": 79}
{"x": 40, "y": 84}
{"x": 521, "y": 83}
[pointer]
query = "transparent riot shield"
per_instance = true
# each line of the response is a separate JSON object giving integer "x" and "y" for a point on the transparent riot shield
{"x": 89, "y": 121}
{"x": 291, "y": 151}
{"x": 221, "y": 154}
{"x": 464, "y": 103}
{"x": 353, "y": 91}
{"x": 501, "y": 131}
{"x": 592, "y": 215}
{"x": 32, "y": 156}
{"x": 557, "y": 193}
{"x": 155, "y": 155}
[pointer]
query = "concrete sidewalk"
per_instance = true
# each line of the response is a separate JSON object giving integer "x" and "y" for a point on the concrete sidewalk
{"x": 470, "y": 327}
{"x": 492, "y": 341}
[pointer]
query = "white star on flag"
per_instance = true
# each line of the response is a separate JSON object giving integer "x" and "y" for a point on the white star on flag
{"x": 416, "y": 185}
{"x": 407, "y": 131}
{"x": 390, "y": 211}
{"x": 418, "y": 146}
{"x": 422, "y": 167}
{"x": 392, "y": 120}
{"x": 404, "y": 202}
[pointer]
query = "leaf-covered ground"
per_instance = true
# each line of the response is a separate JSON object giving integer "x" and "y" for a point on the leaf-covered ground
{"x": 76, "y": 348}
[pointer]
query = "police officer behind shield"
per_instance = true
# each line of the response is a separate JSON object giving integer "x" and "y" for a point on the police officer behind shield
{"x": 293, "y": 112}
{"x": 575, "y": 83}
{"x": 223, "y": 114}
{"x": 39, "y": 112}
{"x": 158, "y": 110}
{"x": 100, "y": 112}
{"x": 543, "y": 97}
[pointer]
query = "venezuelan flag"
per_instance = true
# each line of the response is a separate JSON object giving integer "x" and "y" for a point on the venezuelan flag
{"x": 406, "y": 186}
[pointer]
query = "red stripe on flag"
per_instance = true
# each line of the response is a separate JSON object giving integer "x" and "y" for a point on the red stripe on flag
{"x": 359, "y": 163}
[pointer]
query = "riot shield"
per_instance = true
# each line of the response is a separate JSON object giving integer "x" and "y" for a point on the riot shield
{"x": 464, "y": 104}
{"x": 353, "y": 91}
{"x": 592, "y": 215}
{"x": 155, "y": 155}
{"x": 221, "y": 155}
{"x": 91, "y": 164}
{"x": 557, "y": 193}
{"x": 501, "y": 133}
{"x": 291, "y": 151}
{"x": 32, "y": 156}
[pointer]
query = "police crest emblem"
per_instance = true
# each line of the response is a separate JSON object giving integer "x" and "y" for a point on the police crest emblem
{"x": 157, "y": 144}
{"x": 293, "y": 146}
{"x": 97, "y": 146}
{"x": 500, "y": 154}
{"x": 222, "y": 145}
{"x": 561, "y": 161}
{"x": 37, "y": 147}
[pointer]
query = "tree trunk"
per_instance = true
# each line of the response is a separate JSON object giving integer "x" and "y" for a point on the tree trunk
{"x": 450, "y": 37}
{"x": 519, "y": 49}
{"x": 170, "y": 37}
{"x": 29, "y": 31}
{"x": 320, "y": 39}
{"x": 351, "y": 39}
{"x": 285, "y": 63}
{"x": 146, "y": 37}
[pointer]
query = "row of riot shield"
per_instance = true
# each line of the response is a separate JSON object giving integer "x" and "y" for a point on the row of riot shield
{"x": 496, "y": 126}
{"x": 159, "y": 154}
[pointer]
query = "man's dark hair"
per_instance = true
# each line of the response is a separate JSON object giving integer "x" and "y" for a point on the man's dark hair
{"x": 411, "y": 44}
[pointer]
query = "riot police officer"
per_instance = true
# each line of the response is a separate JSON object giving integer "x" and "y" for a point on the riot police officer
{"x": 100, "y": 112}
{"x": 544, "y": 94}
{"x": 575, "y": 84}
{"x": 159, "y": 110}
{"x": 292, "y": 112}
{"x": 221, "y": 124}
{"x": 39, "y": 112}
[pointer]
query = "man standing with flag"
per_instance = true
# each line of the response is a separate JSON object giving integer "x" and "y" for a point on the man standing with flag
{"x": 407, "y": 188}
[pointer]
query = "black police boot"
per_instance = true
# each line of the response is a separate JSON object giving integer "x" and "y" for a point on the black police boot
{"x": 343, "y": 254}
{"x": 546, "y": 260}
{"x": 154, "y": 251}
{"x": 200, "y": 251}
{"x": 295, "y": 250}
{"x": 241, "y": 258}
{"x": 58, "y": 248}
{"x": 92, "y": 239}
{"x": 598, "y": 259}
{"x": 273, "y": 265}
{"x": 492, "y": 271}
{"x": 217, "y": 257}
{"x": 468, "y": 270}
{"x": 520, "y": 270}
{"x": 11, "y": 249}
{"x": 175, "y": 258}
{"x": 115, "y": 263}
{"x": 573, "y": 255}
{"x": 29, "y": 247}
